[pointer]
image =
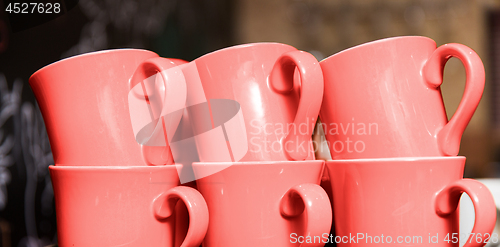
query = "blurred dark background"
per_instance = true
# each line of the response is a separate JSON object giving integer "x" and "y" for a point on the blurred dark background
{"x": 175, "y": 28}
{"x": 187, "y": 29}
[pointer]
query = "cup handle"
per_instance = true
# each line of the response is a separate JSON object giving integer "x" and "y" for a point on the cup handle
{"x": 154, "y": 137}
{"x": 312, "y": 200}
{"x": 447, "y": 201}
{"x": 164, "y": 205}
{"x": 449, "y": 136}
{"x": 311, "y": 96}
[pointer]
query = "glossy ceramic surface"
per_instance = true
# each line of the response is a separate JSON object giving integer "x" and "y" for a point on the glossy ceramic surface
{"x": 406, "y": 197}
{"x": 382, "y": 99}
{"x": 83, "y": 101}
{"x": 260, "y": 78}
{"x": 124, "y": 206}
{"x": 264, "y": 203}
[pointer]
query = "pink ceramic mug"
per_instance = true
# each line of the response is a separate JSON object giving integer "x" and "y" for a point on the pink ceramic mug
{"x": 406, "y": 202}
{"x": 264, "y": 203}
{"x": 83, "y": 100}
{"x": 382, "y": 99}
{"x": 246, "y": 105}
{"x": 124, "y": 206}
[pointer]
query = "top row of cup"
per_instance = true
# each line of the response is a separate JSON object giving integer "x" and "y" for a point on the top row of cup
{"x": 254, "y": 102}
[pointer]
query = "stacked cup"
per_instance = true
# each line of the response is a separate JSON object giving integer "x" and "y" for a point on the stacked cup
{"x": 105, "y": 192}
{"x": 257, "y": 171}
{"x": 395, "y": 177}
{"x": 127, "y": 127}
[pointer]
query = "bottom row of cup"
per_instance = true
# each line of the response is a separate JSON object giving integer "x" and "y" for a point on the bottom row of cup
{"x": 390, "y": 201}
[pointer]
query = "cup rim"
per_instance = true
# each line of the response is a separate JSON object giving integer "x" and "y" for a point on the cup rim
{"x": 104, "y": 168}
{"x": 93, "y": 53}
{"x": 396, "y": 159}
{"x": 240, "y": 46}
{"x": 256, "y": 163}
{"x": 373, "y": 42}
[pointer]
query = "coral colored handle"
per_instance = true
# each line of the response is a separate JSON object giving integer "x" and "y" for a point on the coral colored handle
{"x": 172, "y": 94}
{"x": 311, "y": 96}
{"x": 449, "y": 136}
{"x": 448, "y": 199}
{"x": 316, "y": 206}
{"x": 164, "y": 205}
